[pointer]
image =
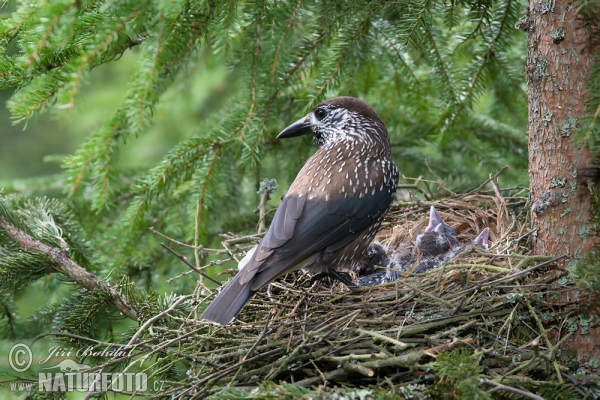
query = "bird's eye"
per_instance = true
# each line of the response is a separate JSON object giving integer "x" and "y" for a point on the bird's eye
{"x": 320, "y": 114}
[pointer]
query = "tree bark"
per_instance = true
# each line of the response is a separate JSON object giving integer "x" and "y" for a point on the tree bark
{"x": 561, "y": 46}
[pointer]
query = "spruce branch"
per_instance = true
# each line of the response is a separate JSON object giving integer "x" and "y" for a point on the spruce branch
{"x": 480, "y": 64}
{"x": 288, "y": 27}
{"x": 343, "y": 51}
{"x": 94, "y": 52}
{"x": 34, "y": 56}
{"x": 61, "y": 262}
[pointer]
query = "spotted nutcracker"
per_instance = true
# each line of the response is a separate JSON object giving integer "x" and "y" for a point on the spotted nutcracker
{"x": 333, "y": 208}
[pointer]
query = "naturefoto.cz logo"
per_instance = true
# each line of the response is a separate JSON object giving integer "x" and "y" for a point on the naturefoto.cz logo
{"x": 68, "y": 375}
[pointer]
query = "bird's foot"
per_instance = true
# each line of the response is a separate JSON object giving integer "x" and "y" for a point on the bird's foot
{"x": 340, "y": 276}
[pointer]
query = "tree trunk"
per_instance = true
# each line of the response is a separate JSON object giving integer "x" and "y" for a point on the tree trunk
{"x": 561, "y": 47}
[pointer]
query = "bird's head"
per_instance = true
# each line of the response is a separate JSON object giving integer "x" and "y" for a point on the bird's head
{"x": 339, "y": 118}
{"x": 437, "y": 224}
{"x": 438, "y": 237}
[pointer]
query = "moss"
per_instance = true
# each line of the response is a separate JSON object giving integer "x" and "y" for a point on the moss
{"x": 541, "y": 69}
{"x": 558, "y": 35}
{"x": 584, "y": 232}
{"x": 547, "y": 6}
{"x": 568, "y": 126}
{"x": 547, "y": 118}
{"x": 565, "y": 211}
{"x": 571, "y": 269}
{"x": 585, "y": 321}
{"x": 548, "y": 315}
{"x": 571, "y": 324}
{"x": 558, "y": 182}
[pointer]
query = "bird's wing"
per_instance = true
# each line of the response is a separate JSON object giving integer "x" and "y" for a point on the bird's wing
{"x": 303, "y": 227}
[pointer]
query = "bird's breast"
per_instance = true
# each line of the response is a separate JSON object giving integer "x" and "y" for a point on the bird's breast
{"x": 342, "y": 173}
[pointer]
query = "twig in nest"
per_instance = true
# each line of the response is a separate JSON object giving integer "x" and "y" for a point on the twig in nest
{"x": 267, "y": 187}
{"x": 435, "y": 351}
{"x": 440, "y": 181}
{"x": 489, "y": 283}
{"x": 491, "y": 178}
{"x": 243, "y": 239}
{"x": 415, "y": 186}
{"x": 131, "y": 343}
{"x": 189, "y": 264}
{"x": 517, "y": 240}
{"x": 368, "y": 372}
{"x": 499, "y": 386}
{"x": 260, "y": 338}
{"x": 377, "y": 335}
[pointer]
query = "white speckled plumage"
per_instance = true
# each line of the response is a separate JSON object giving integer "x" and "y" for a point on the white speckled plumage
{"x": 333, "y": 208}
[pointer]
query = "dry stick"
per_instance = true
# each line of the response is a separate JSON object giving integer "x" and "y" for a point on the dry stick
{"x": 225, "y": 371}
{"x": 440, "y": 180}
{"x": 130, "y": 344}
{"x": 62, "y": 263}
{"x": 184, "y": 273}
{"x": 517, "y": 240}
{"x": 189, "y": 264}
{"x": 170, "y": 239}
{"x": 260, "y": 338}
{"x": 309, "y": 336}
{"x": 324, "y": 356}
{"x": 368, "y": 372}
{"x": 499, "y": 386}
{"x": 369, "y": 356}
{"x": 508, "y": 322}
{"x": 70, "y": 335}
{"x": 435, "y": 351}
{"x": 506, "y": 278}
{"x": 480, "y": 266}
{"x": 502, "y": 211}
{"x": 452, "y": 331}
{"x": 426, "y": 294}
{"x": 318, "y": 379}
{"x": 418, "y": 328}
{"x": 544, "y": 334}
{"x": 262, "y": 208}
{"x": 319, "y": 371}
{"x": 197, "y": 246}
{"x": 243, "y": 239}
{"x": 580, "y": 384}
{"x": 484, "y": 183}
{"x": 388, "y": 339}
{"x": 267, "y": 367}
{"x": 414, "y": 187}
{"x": 410, "y": 359}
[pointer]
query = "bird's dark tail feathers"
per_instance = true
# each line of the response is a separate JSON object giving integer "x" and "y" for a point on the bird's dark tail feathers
{"x": 229, "y": 302}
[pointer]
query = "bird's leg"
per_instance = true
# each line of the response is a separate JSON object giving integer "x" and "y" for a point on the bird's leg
{"x": 269, "y": 292}
{"x": 343, "y": 277}
{"x": 340, "y": 276}
{"x": 318, "y": 277}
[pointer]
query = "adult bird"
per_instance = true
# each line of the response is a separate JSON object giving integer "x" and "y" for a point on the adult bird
{"x": 333, "y": 208}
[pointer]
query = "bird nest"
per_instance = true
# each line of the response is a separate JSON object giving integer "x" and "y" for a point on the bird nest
{"x": 476, "y": 326}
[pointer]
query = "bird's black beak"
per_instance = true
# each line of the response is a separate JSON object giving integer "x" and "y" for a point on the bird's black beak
{"x": 298, "y": 128}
